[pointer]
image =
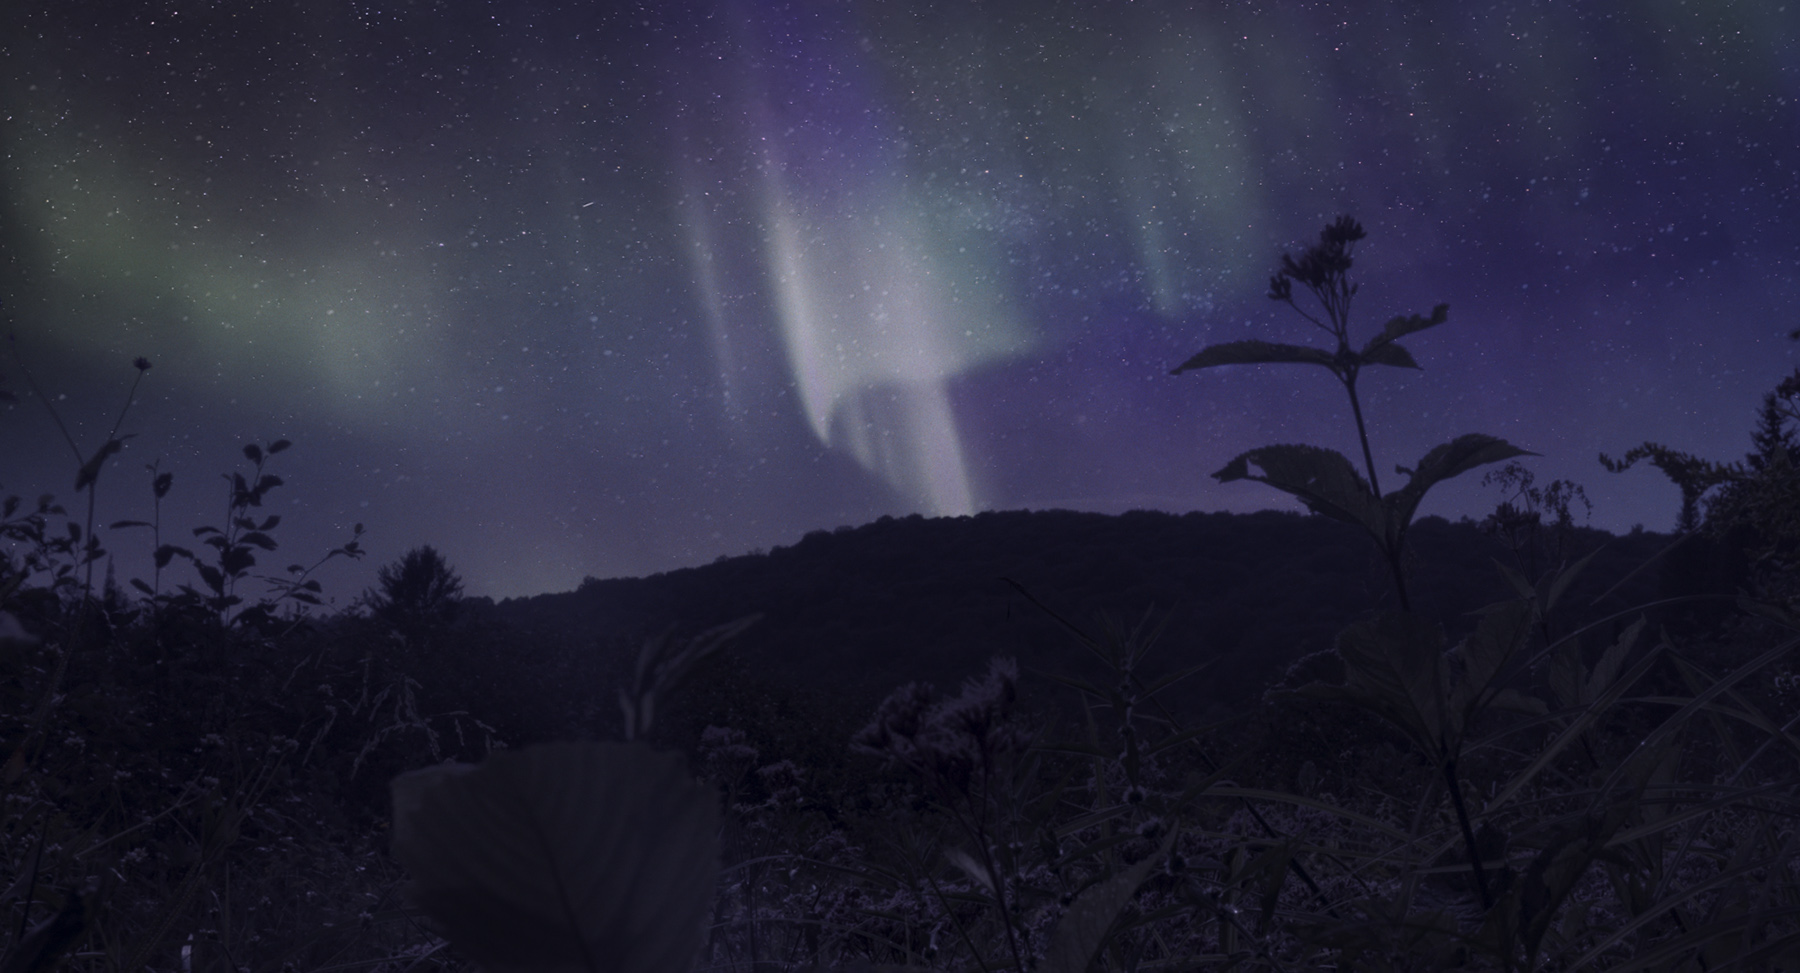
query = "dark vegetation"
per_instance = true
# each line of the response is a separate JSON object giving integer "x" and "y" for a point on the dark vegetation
{"x": 1350, "y": 740}
{"x": 857, "y": 611}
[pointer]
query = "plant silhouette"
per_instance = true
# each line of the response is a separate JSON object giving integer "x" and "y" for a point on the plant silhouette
{"x": 416, "y": 595}
{"x": 1323, "y": 479}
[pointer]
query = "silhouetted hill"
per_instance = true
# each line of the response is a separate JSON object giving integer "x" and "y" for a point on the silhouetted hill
{"x": 858, "y": 611}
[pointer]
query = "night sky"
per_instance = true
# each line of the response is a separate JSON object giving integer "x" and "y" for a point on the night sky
{"x": 597, "y": 289}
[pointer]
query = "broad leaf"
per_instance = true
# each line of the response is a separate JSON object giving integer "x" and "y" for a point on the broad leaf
{"x": 1607, "y": 669}
{"x": 1083, "y": 928}
{"x": 1450, "y": 459}
{"x": 1395, "y": 662}
{"x": 1253, "y": 352}
{"x": 1389, "y": 354}
{"x": 974, "y": 869}
{"x": 1502, "y": 632}
{"x": 1400, "y": 327}
{"x": 563, "y": 857}
{"x": 1323, "y": 479}
{"x": 1563, "y": 577}
{"x": 90, "y": 470}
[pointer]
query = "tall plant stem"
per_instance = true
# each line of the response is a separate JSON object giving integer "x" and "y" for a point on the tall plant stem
{"x": 1389, "y": 552}
{"x": 1362, "y": 434}
{"x": 1468, "y": 833}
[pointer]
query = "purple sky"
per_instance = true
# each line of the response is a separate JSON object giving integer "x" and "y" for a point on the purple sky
{"x": 586, "y": 289}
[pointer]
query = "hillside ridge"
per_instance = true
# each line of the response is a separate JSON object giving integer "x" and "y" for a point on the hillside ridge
{"x": 860, "y": 610}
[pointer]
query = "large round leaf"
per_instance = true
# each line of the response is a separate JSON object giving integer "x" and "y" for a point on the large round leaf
{"x": 563, "y": 857}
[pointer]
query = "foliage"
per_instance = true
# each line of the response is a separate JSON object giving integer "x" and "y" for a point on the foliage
{"x": 1323, "y": 479}
{"x": 1750, "y": 529}
{"x": 420, "y": 585}
{"x": 1519, "y": 517}
{"x": 417, "y": 597}
{"x": 562, "y": 856}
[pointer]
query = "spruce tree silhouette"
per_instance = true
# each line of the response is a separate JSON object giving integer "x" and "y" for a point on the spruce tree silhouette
{"x": 417, "y": 595}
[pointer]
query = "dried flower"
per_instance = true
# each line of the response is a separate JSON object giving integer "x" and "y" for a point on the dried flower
{"x": 898, "y": 721}
{"x": 948, "y": 740}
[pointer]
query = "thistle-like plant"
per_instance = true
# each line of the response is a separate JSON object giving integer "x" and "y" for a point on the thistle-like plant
{"x": 1324, "y": 479}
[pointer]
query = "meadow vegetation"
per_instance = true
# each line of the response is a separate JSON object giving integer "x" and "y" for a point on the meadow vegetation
{"x": 203, "y": 770}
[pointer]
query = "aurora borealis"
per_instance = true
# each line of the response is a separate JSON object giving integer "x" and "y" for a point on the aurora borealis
{"x": 605, "y": 289}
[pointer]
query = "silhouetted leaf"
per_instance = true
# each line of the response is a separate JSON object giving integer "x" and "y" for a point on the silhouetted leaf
{"x": 563, "y": 856}
{"x": 259, "y": 539}
{"x": 1560, "y": 580}
{"x": 167, "y": 553}
{"x": 12, "y": 504}
{"x": 1520, "y": 586}
{"x": 1389, "y": 354}
{"x": 278, "y": 445}
{"x": 212, "y": 577}
{"x": 1323, "y": 479}
{"x": 117, "y": 524}
{"x": 139, "y": 585}
{"x": 269, "y": 481}
{"x": 1393, "y": 664}
{"x": 90, "y": 470}
{"x": 253, "y": 453}
{"x": 1400, "y": 327}
{"x": 1443, "y": 462}
{"x": 1253, "y": 352}
{"x": 1613, "y": 659}
{"x": 162, "y": 483}
{"x": 237, "y": 560}
{"x": 1502, "y": 632}
{"x": 269, "y": 522}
